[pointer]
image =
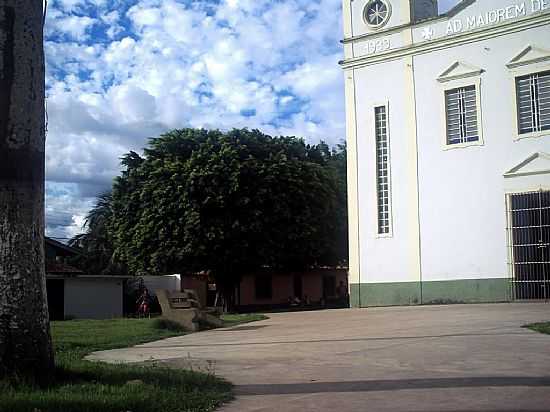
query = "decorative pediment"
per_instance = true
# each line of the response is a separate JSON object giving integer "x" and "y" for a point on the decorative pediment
{"x": 459, "y": 70}
{"x": 529, "y": 55}
{"x": 536, "y": 164}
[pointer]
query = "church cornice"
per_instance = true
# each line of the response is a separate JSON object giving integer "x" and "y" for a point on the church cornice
{"x": 396, "y": 29}
{"x": 531, "y": 21}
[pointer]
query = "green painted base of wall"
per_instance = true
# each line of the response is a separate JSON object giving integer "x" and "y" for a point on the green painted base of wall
{"x": 426, "y": 293}
{"x": 385, "y": 294}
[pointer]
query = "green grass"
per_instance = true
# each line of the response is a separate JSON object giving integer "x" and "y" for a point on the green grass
{"x": 83, "y": 386}
{"x": 543, "y": 327}
{"x": 236, "y": 319}
{"x": 80, "y": 337}
{"x": 167, "y": 324}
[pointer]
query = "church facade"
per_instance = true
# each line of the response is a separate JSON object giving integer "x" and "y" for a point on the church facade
{"x": 448, "y": 133}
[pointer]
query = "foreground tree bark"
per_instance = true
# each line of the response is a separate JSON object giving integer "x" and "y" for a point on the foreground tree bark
{"x": 25, "y": 343}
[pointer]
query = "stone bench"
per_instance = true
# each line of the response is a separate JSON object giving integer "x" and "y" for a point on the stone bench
{"x": 184, "y": 308}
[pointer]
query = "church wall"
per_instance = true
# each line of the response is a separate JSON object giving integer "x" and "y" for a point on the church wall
{"x": 453, "y": 248}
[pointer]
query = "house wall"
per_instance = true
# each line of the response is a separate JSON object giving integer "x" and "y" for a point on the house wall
{"x": 99, "y": 298}
{"x": 448, "y": 240}
{"x": 283, "y": 286}
{"x": 200, "y": 285}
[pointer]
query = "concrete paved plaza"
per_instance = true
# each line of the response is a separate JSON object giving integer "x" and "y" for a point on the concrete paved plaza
{"x": 430, "y": 358}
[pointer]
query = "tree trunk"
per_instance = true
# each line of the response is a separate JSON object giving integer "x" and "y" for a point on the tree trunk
{"x": 25, "y": 343}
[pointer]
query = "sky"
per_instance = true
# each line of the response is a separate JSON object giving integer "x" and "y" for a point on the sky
{"x": 121, "y": 71}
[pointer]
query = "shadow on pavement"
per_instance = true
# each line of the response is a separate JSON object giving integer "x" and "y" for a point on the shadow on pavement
{"x": 275, "y": 342}
{"x": 388, "y": 385}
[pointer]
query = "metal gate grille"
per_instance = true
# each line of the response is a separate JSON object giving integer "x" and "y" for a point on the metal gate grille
{"x": 529, "y": 242}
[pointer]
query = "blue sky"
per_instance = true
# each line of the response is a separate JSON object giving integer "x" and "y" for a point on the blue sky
{"x": 121, "y": 71}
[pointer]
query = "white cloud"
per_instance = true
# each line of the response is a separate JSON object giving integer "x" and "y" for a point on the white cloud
{"x": 164, "y": 64}
{"x": 75, "y": 27}
{"x": 68, "y": 4}
{"x": 66, "y": 210}
{"x": 145, "y": 16}
{"x": 132, "y": 103}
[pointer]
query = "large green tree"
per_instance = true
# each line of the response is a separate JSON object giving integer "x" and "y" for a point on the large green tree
{"x": 229, "y": 202}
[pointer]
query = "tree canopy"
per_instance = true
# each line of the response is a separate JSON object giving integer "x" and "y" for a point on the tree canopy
{"x": 228, "y": 202}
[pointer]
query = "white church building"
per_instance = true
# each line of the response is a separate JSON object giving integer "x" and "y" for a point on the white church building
{"x": 448, "y": 132}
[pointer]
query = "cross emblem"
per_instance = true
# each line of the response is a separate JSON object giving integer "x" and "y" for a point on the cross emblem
{"x": 428, "y": 33}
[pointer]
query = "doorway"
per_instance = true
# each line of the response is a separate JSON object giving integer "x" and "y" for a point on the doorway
{"x": 529, "y": 238}
{"x": 55, "y": 288}
{"x": 298, "y": 287}
{"x": 329, "y": 286}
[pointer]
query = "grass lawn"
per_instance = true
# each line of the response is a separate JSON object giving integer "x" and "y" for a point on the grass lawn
{"x": 540, "y": 327}
{"x": 83, "y": 386}
{"x": 236, "y": 319}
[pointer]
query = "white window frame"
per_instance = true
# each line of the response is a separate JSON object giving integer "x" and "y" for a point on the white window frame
{"x": 457, "y": 84}
{"x": 520, "y": 72}
{"x": 373, "y": 108}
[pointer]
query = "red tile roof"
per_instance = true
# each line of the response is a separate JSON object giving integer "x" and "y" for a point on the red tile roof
{"x": 58, "y": 267}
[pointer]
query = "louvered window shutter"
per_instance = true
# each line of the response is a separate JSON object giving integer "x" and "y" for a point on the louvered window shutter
{"x": 533, "y": 99}
{"x": 382, "y": 169}
{"x": 461, "y": 109}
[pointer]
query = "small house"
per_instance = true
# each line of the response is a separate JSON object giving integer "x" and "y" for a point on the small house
{"x": 282, "y": 290}
{"x": 75, "y": 294}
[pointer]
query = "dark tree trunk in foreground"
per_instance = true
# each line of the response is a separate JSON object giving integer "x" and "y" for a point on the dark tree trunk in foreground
{"x": 25, "y": 343}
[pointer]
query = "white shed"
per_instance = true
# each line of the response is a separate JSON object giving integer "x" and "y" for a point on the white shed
{"x": 85, "y": 296}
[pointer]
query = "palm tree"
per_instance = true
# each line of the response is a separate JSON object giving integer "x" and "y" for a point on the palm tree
{"x": 95, "y": 243}
{"x": 25, "y": 342}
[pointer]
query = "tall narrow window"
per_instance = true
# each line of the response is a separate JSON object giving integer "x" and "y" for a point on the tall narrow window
{"x": 382, "y": 169}
{"x": 533, "y": 97}
{"x": 461, "y": 110}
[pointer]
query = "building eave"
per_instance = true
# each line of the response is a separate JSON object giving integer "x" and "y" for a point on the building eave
{"x": 534, "y": 20}
{"x": 445, "y": 16}
{"x": 81, "y": 276}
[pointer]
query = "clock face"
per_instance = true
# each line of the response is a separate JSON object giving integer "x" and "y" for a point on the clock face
{"x": 377, "y": 13}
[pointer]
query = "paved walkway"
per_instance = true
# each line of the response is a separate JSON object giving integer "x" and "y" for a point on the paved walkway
{"x": 432, "y": 358}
